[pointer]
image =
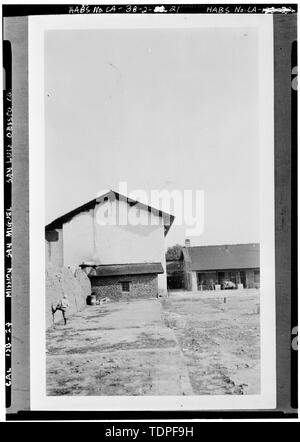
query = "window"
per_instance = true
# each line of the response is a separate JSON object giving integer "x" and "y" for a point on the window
{"x": 125, "y": 285}
{"x": 256, "y": 276}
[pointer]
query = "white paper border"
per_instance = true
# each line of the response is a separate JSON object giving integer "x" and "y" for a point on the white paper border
{"x": 39, "y": 400}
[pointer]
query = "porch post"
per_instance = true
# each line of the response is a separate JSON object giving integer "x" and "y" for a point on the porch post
{"x": 194, "y": 281}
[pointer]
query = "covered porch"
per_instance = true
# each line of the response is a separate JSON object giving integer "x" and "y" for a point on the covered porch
{"x": 215, "y": 279}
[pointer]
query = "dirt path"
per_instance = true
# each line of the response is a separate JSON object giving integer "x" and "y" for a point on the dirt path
{"x": 220, "y": 341}
{"x": 116, "y": 349}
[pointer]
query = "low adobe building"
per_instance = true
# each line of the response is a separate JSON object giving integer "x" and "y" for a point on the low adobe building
{"x": 208, "y": 267}
{"x": 117, "y": 241}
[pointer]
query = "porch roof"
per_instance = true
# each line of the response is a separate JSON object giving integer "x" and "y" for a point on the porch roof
{"x": 124, "y": 269}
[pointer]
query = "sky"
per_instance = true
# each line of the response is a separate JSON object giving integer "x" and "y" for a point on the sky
{"x": 158, "y": 109}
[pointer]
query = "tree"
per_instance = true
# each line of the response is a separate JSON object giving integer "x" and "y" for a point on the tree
{"x": 174, "y": 252}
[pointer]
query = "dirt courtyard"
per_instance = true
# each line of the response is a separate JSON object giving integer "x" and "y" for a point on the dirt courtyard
{"x": 187, "y": 344}
{"x": 219, "y": 340}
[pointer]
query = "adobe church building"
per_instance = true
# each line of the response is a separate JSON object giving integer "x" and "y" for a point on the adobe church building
{"x": 121, "y": 259}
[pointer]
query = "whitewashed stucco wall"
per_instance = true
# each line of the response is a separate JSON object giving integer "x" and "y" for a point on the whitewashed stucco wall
{"x": 78, "y": 239}
{"x": 86, "y": 239}
{"x": 54, "y": 251}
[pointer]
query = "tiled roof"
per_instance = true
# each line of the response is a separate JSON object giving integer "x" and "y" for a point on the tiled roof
{"x": 236, "y": 256}
{"x": 125, "y": 269}
{"x": 58, "y": 222}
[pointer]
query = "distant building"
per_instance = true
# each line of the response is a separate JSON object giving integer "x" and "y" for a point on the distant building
{"x": 209, "y": 267}
{"x": 120, "y": 259}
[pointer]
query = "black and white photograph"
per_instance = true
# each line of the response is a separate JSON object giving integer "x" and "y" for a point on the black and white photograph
{"x": 152, "y": 214}
{"x": 153, "y": 205}
{"x": 154, "y": 289}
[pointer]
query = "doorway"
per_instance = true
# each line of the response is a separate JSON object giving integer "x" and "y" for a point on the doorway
{"x": 221, "y": 278}
{"x": 243, "y": 278}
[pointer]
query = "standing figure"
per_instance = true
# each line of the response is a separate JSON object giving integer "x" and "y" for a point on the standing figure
{"x": 62, "y": 305}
